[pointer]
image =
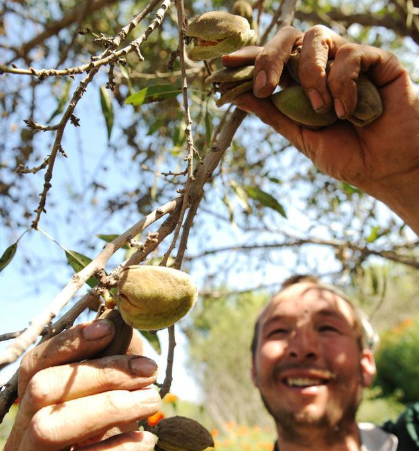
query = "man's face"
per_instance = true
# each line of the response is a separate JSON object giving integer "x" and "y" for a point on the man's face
{"x": 308, "y": 365}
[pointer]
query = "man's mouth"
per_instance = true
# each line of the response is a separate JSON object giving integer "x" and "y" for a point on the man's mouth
{"x": 302, "y": 382}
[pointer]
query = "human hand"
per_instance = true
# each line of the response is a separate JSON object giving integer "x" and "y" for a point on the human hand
{"x": 68, "y": 402}
{"x": 382, "y": 158}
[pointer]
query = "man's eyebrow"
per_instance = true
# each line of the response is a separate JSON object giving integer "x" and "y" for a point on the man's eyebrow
{"x": 273, "y": 319}
{"x": 328, "y": 313}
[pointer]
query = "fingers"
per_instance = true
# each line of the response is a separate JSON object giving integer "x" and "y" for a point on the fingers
{"x": 243, "y": 57}
{"x": 270, "y": 62}
{"x": 130, "y": 441}
{"x": 75, "y": 344}
{"x": 64, "y": 383}
{"x": 319, "y": 45}
{"x": 56, "y": 427}
{"x": 350, "y": 60}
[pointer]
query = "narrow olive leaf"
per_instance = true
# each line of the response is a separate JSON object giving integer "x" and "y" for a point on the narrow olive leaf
{"x": 78, "y": 262}
{"x": 7, "y": 256}
{"x": 230, "y": 209}
{"x": 242, "y": 196}
{"x": 350, "y": 190}
{"x": 125, "y": 74}
{"x": 374, "y": 235}
{"x": 179, "y": 135}
{"x": 110, "y": 238}
{"x": 275, "y": 180}
{"x": 265, "y": 199}
{"x": 153, "y": 93}
{"x": 65, "y": 95}
{"x": 107, "y": 109}
{"x": 374, "y": 281}
{"x": 153, "y": 339}
{"x": 155, "y": 126}
{"x": 208, "y": 127}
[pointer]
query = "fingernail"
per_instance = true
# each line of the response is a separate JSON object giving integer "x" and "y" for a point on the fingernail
{"x": 149, "y": 439}
{"x": 143, "y": 366}
{"x": 339, "y": 109}
{"x": 316, "y": 99}
{"x": 97, "y": 329}
{"x": 261, "y": 79}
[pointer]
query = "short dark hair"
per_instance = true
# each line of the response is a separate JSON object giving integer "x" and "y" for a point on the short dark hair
{"x": 366, "y": 336}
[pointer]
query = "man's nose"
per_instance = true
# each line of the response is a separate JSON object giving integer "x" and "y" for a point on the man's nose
{"x": 304, "y": 344}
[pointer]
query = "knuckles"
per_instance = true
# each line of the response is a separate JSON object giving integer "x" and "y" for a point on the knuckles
{"x": 37, "y": 390}
{"x": 42, "y": 430}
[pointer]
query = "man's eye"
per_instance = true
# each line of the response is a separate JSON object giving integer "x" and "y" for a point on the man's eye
{"x": 279, "y": 331}
{"x": 328, "y": 328}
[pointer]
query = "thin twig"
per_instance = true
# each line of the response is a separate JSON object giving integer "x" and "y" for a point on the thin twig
{"x": 108, "y": 58}
{"x": 363, "y": 250}
{"x": 56, "y": 148}
{"x": 17, "y": 348}
{"x": 52, "y": 28}
{"x": 170, "y": 359}
{"x": 283, "y": 16}
{"x": 72, "y": 105}
{"x": 188, "y": 132}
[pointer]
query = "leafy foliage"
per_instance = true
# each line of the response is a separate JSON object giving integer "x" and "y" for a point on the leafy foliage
{"x": 397, "y": 361}
{"x": 219, "y": 343}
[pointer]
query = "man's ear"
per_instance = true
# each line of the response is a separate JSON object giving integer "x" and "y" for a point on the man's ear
{"x": 253, "y": 373}
{"x": 368, "y": 368}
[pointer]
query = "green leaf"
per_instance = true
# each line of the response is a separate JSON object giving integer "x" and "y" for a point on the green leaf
{"x": 153, "y": 93}
{"x": 153, "y": 339}
{"x": 125, "y": 74}
{"x": 7, "y": 256}
{"x": 78, "y": 262}
{"x": 208, "y": 127}
{"x": 110, "y": 238}
{"x": 242, "y": 196}
{"x": 374, "y": 281}
{"x": 179, "y": 135}
{"x": 376, "y": 233}
{"x": 230, "y": 209}
{"x": 107, "y": 109}
{"x": 265, "y": 199}
{"x": 61, "y": 101}
{"x": 350, "y": 190}
{"x": 275, "y": 180}
{"x": 155, "y": 126}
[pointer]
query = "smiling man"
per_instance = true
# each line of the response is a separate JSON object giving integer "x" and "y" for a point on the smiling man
{"x": 312, "y": 357}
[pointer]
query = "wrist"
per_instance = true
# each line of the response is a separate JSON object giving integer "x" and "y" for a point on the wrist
{"x": 401, "y": 194}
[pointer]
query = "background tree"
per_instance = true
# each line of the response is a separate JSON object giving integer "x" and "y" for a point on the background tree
{"x": 90, "y": 159}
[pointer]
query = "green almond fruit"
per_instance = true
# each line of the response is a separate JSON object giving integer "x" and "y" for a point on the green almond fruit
{"x": 369, "y": 105}
{"x": 294, "y": 103}
{"x": 216, "y": 33}
{"x": 228, "y": 75}
{"x": 154, "y": 297}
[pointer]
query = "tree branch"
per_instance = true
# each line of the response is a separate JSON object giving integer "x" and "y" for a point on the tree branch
{"x": 52, "y": 28}
{"x": 364, "y": 250}
{"x": 28, "y": 337}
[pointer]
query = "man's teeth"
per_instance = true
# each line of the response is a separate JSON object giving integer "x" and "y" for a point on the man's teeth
{"x": 303, "y": 381}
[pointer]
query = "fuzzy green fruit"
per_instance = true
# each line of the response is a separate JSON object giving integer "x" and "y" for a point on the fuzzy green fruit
{"x": 294, "y": 103}
{"x": 154, "y": 297}
{"x": 216, "y": 33}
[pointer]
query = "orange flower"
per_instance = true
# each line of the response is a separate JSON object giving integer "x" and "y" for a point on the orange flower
{"x": 170, "y": 397}
{"x": 214, "y": 432}
{"x": 266, "y": 445}
{"x": 155, "y": 419}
